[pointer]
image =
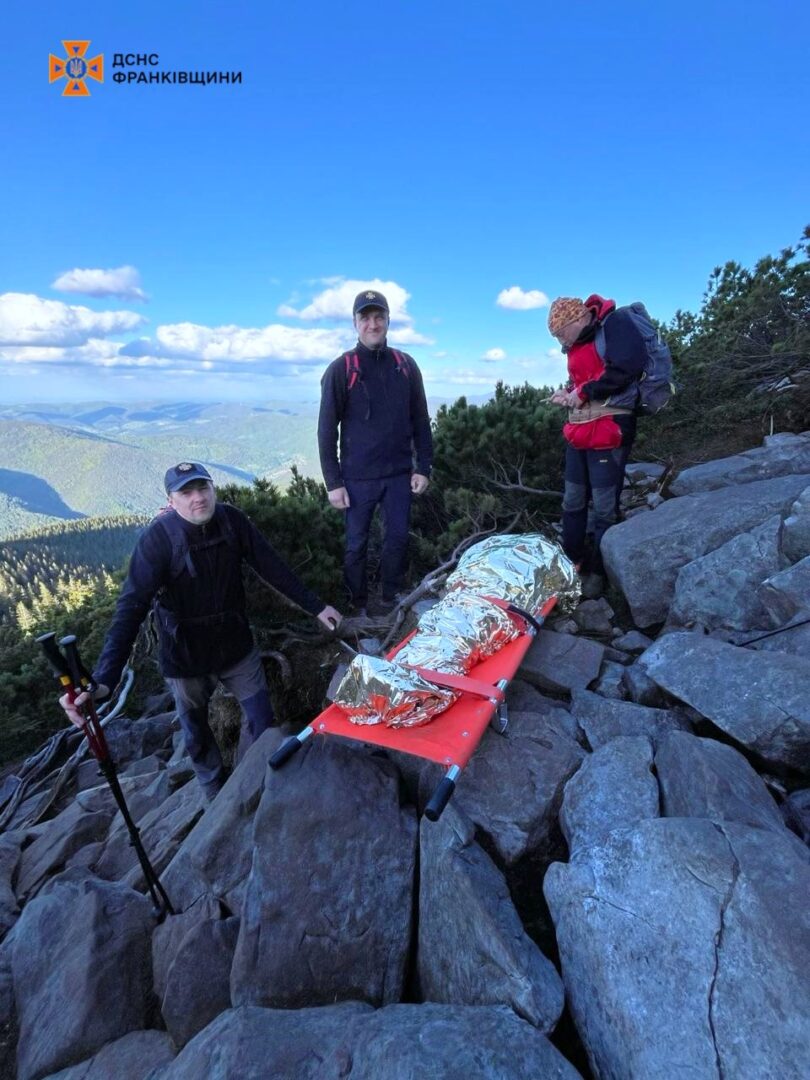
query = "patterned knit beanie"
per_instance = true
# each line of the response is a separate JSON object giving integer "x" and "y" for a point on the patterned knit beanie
{"x": 564, "y": 310}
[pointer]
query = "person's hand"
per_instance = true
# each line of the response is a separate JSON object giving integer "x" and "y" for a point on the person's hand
{"x": 330, "y": 617}
{"x": 339, "y": 498}
{"x": 570, "y": 399}
{"x": 72, "y": 707}
{"x": 419, "y": 483}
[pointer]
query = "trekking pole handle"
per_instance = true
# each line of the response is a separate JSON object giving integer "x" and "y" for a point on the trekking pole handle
{"x": 55, "y": 658}
{"x": 83, "y": 683}
{"x": 82, "y": 679}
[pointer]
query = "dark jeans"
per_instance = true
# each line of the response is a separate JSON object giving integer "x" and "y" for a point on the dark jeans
{"x": 597, "y": 476}
{"x": 246, "y": 681}
{"x": 393, "y": 496}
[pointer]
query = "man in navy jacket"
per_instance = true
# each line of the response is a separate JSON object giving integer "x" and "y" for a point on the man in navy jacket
{"x": 375, "y": 446}
{"x": 187, "y": 564}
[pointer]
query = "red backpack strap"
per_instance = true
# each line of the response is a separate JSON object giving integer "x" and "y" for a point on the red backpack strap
{"x": 352, "y": 361}
{"x": 402, "y": 363}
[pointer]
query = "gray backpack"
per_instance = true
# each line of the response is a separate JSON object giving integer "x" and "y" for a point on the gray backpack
{"x": 655, "y": 387}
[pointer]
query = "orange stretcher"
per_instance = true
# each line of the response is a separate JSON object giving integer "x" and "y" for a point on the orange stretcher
{"x": 451, "y": 738}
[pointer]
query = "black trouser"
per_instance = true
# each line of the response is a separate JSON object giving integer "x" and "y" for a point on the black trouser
{"x": 245, "y": 680}
{"x": 597, "y": 476}
{"x": 393, "y": 495}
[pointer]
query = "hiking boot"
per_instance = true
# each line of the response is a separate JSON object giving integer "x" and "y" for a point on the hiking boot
{"x": 213, "y": 788}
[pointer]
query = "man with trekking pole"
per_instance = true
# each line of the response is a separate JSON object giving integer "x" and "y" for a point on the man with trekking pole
{"x": 187, "y": 567}
{"x": 374, "y": 397}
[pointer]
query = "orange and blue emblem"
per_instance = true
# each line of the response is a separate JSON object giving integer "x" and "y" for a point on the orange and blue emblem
{"x": 76, "y": 68}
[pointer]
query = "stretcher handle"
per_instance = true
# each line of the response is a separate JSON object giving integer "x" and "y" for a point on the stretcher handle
{"x": 290, "y": 747}
{"x": 439, "y": 799}
{"x": 441, "y": 796}
{"x": 284, "y": 753}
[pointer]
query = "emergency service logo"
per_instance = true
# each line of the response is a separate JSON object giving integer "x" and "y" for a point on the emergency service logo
{"x": 75, "y": 68}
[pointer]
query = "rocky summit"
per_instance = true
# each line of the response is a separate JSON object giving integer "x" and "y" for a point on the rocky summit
{"x": 617, "y": 889}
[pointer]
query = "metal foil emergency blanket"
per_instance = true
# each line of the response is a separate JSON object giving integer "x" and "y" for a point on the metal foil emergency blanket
{"x": 464, "y": 628}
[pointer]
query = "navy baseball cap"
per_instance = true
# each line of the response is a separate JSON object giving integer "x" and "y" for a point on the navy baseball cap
{"x": 182, "y": 474}
{"x": 369, "y": 298}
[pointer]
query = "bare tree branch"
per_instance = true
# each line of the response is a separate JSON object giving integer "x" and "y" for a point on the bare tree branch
{"x": 505, "y": 484}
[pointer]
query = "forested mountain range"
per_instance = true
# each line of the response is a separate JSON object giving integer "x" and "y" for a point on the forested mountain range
{"x": 59, "y": 463}
{"x": 59, "y": 561}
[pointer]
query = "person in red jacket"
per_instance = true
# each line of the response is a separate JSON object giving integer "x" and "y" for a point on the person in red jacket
{"x": 599, "y": 434}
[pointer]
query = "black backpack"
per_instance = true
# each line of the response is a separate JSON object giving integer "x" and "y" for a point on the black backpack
{"x": 655, "y": 387}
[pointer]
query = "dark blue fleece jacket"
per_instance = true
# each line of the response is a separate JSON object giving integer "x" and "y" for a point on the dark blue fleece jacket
{"x": 383, "y": 419}
{"x": 195, "y": 573}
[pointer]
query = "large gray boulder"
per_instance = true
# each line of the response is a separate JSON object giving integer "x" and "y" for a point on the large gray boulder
{"x": 720, "y": 589}
{"x": 787, "y": 594}
{"x": 611, "y": 683}
{"x": 614, "y": 788}
{"x": 560, "y": 662}
{"x": 192, "y": 955}
{"x": 450, "y": 1042}
{"x": 164, "y": 829}
{"x": 677, "y": 955}
{"x": 793, "y": 640}
{"x": 9, "y": 857}
{"x": 79, "y": 946}
{"x": 762, "y": 700}
{"x": 143, "y": 791}
{"x": 778, "y": 457}
{"x": 512, "y": 787}
{"x": 601, "y": 720}
{"x": 8, "y": 1016}
{"x": 252, "y": 1043}
{"x": 216, "y": 856}
{"x": 400, "y": 1042}
{"x": 643, "y": 555}
{"x": 117, "y": 856}
{"x": 594, "y": 617}
{"x": 328, "y": 904}
{"x": 796, "y": 812}
{"x": 796, "y": 533}
{"x": 131, "y": 740}
{"x": 62, "y": 837}
{"x": 707, "y": 779}
{"x": 136, "y": 1056}
{"x": 473, "y": 949}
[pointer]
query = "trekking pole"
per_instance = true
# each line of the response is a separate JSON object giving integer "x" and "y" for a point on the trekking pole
{"x": 75, "y": 679}
{"x": 82, "y": 678}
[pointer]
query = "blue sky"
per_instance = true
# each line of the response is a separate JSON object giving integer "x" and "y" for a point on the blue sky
{"x": 179, "y": 242}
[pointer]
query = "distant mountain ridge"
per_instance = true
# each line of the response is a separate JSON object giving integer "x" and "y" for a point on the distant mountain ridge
{"x": 95, "y": 459}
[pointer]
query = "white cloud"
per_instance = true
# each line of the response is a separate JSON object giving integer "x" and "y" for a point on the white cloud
{"x": 408, "y": 336}
{"x": 492, "y": 355}
{"x": 27, "y": 319}
{"x": 238, "y": 345}
{"x": 94, "y": 351}
{"x": 335, "y": 302}
{"x": 515, "y": 299}
{"x": 123, "y": 282}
